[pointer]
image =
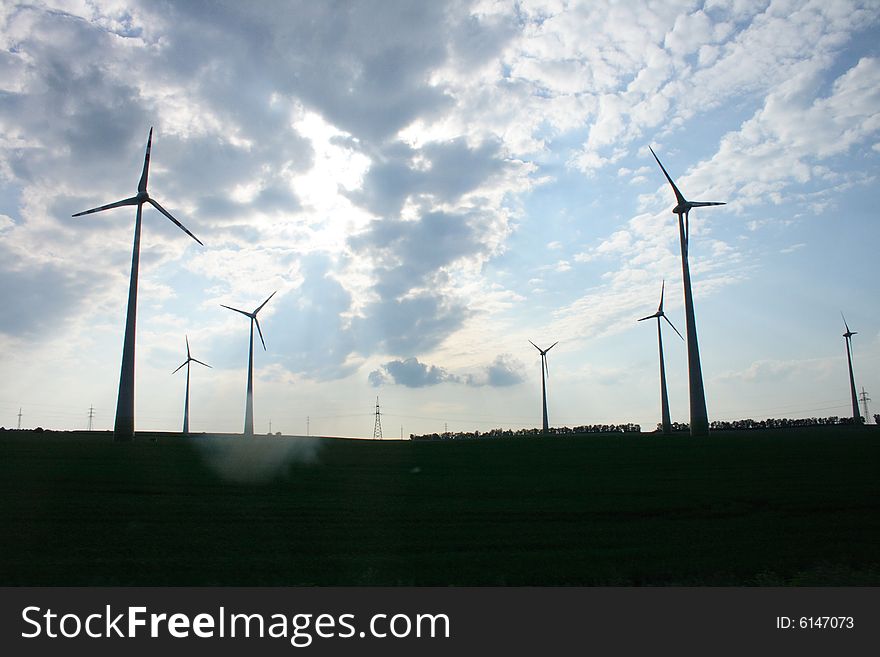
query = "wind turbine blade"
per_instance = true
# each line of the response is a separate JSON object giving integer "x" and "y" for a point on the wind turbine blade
{"x": 187, "y": 346}
{"x": 648, "y": 317}
{"x": 196, "y": 360}
{"x": 184, "y": 363}
{"x": 142, "y": 185}
{"x": 703, "y": 204}
{"x": 844, "y": 321}
{"x": 546, "y": 367}
{"x": 662, "y": 292}
{"x": 260, "y": 307}
{"x": 551, "y": 346}
{"x": 259, "y": 331}
{"x": 673, "y": 326}
{"x": 535, "y": 346}
{"x": 156, "y": 205}
{"x": 237, "y": 310}
{"x": 678, "y": 195}
{"x": 118, "y": 204}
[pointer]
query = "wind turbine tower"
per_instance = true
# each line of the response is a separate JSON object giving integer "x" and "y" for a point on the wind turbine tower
{"x": 249, "y": 400}
{"x": 189, "y": 359}
{"x": 699, "y": 419}
{"x": 857, "y": 418}
{"x": 544, "y": 369}
{"x": 123, "y": 429}
{"x": 664, "y": 397}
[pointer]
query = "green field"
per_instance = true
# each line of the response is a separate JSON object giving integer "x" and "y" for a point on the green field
{"x": 783, "y": 507}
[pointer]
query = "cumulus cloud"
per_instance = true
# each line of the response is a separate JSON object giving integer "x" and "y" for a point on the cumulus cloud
{"x": 410, "y": 373}
{"x": 504, "y": 371}
{"x": 662, "y": 81}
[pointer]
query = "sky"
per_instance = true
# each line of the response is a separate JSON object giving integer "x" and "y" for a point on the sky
{"x": 429, "y": 186}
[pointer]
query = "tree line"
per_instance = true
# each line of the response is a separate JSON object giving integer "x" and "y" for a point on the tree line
{"x": 512, "y": 433}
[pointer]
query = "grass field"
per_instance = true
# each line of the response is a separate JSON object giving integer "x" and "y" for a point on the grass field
{"x": 785, "y": 507}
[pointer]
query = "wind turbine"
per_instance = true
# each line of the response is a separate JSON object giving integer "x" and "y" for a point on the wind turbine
{"x": 857, "y": 417}
{"x": 544, "y": 368}
{"x": 664, "y": 397}
{"x": 123, "y": 429}
{"x": 249, "y": 403}
{"x": 699, "y": 420}
{"x": 189, "y": 359}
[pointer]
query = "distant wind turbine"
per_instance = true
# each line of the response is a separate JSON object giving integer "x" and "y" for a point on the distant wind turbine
{"x": 249, "y": 403}
{"x": 544, "y": 369}
{"x": 857, "y": 417}
{"x": 123, "y": 429}
{"x": 189, "y": 359}
{"x": 664, "y": 397}
{"x": 699, "y": 417}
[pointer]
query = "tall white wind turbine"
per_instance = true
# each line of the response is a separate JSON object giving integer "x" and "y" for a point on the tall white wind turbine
{"x": 664, "y": 397}
{"x": 189, "y": 359}
{"x": 544, "y": 369}
{"x": 857, "y": 417}
{"x": 699, "y": 418}
{"x": 123, "y": 429}
{"x": 249, "y": 400}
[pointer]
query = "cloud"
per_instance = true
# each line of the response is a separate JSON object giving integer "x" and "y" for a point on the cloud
{"x": 416, "y": 323}
{"x": 775, "y": 371}
{"x": 410, "y": 373}
{"x": 416, "y": 305}
{"x": 442, "y": 171}
{"x": 662, "y": 81}
{"x": 503, "y": 372}
{"x": 312, "y": 336}
{"x": 771, "y": 153}
{"x": 37, "y": 298}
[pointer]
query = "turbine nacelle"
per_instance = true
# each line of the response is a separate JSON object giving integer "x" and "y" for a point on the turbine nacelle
{"x": 848, "y": 333}
{"x": 543, "y": 351}
{"x": 253, "y": 316}
{"x": 657, "y": 315}
{"x": 189, "y": 358}
{"x": 683, "y": 206}
{"x": 142, "y": 196}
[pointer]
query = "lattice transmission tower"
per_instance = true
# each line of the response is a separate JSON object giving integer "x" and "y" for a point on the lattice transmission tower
{"x": 377, "y": 426}
{"x": 865, "y": 399}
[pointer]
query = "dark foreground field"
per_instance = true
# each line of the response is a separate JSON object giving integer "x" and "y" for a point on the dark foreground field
{"x": 788, "y": 507}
